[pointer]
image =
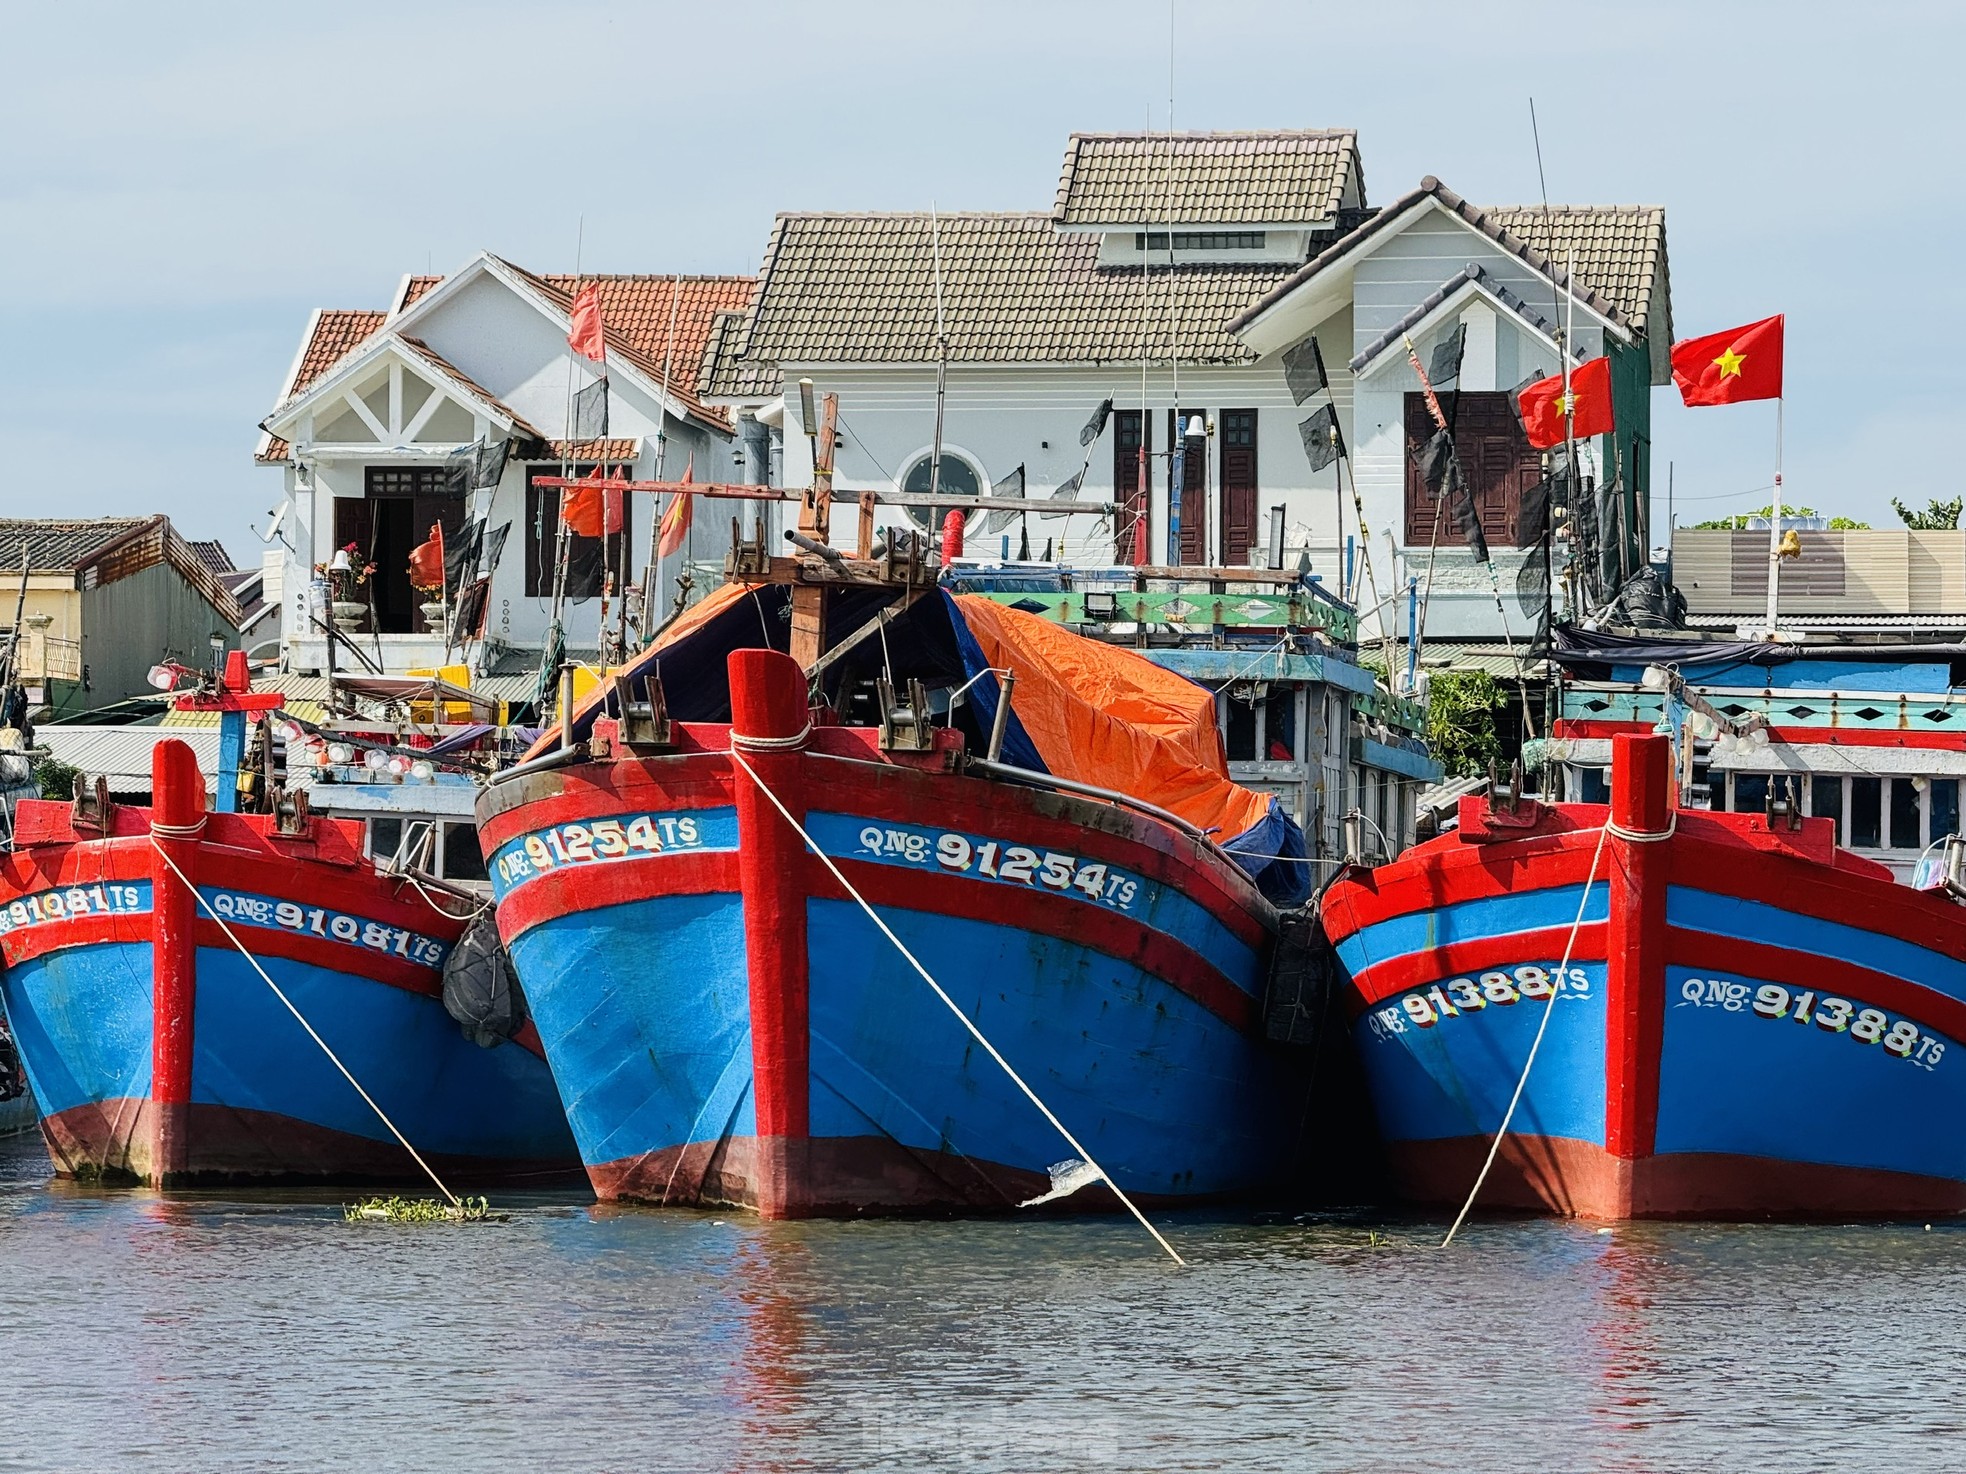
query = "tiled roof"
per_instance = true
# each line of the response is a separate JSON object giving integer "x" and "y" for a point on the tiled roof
{"x": 579, "y": 450}
{"x": 724, "y": 375}
{"x": 415, "y": 287}
{"x": 437, "y": 360}
{"x": 335, "y": 332}
{"x": 1628, "y": 243}
{"x": 638, "y": 312}
{"x": 1266, "y": 178}
{"x": 213, "y": 556}
{"x": 861, "y": 288}
{"x": 1620, "y": 249}
{"x": 56, "y": 545}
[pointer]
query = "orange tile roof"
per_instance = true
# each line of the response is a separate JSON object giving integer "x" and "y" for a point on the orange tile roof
{"x": 337, "y": 332}
{"x": 416, "y": 287}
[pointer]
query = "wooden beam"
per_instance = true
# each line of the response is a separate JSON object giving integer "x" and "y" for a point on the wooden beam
{"x": 815, "y": 520}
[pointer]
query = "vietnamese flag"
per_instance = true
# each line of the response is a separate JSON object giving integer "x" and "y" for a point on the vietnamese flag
{"x": 594, "y": 511}
{"x": 675, "y": 521}
{"x": 1590, "y": 405}
{"x": 1726, "y": 368}
{"x": 427, "y": 560}
{"x": 585, "y": 333}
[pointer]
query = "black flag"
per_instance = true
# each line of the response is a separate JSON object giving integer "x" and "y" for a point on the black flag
{"x": 1011, "y": 485}
{"x": 1461, "y": 502}
{"x": 488, "y": 463}
{"x": 1532, "y": 518}
{"x": 1023, "y": 545}
{"x": 590, "y": 412}
{"x": 461, "y": 554}
{"x": 1096, "y": 426}
{"x": 457, "y": 472}
{"x": 1446, "y": 361}
{"x": 1436, "y": 460}
{"x": 1323, "y": 441}
{"x": 1303, "y": 370}
{"x": 1065, "y": 492}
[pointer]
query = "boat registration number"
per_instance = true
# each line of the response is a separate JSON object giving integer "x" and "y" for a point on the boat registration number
{"x": 246, "y": 909}
{"x": 990, "y": 859}
{"x": 99, "y": 899}
{"x": 625, "y": 837}
{"x": 1436, "y": 1003}
{"x": 1899, "y": 1037}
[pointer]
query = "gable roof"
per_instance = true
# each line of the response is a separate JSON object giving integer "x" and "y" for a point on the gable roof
{"x": 101, "y": 550}
{"x": 637, "y": 310}
{"x": 1274, "y": 177}
{"x": 465, "y": 382}
{"x": 861, "y": 288}
{"x": 1448, "y": 292}
{"x": 1628, "y": 244}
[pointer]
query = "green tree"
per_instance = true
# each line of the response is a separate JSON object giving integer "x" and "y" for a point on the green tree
{"x": 1740, "y": 523}
{"x": 56, "y": 778}
{"x": 1939, "y": 517}
{"x": 1461, "y": 708}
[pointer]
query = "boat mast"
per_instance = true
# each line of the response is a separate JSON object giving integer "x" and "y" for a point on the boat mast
{"x": 941, "y": 372}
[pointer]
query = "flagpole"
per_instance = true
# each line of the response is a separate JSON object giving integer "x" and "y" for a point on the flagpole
{"x": 1775, "y": 526}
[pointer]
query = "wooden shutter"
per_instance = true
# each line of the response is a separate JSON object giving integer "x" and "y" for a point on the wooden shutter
{"x": 1127, "y": 491}
{"x": 1237, "y": 428}
{"x": 1194, "y": 489}
{"x": 1496, "y": 457}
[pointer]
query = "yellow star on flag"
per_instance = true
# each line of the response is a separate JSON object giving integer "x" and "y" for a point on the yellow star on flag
{"x": 1730, "y": 362}
{"x": 1567, "y": 403}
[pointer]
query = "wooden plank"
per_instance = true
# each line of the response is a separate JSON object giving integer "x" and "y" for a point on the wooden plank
{"x": 817, "y": 518}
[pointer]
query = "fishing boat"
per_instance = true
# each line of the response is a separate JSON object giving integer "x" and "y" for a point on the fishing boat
{"x": 1729, "y": 985}
{"x": 204, "y": 996}
{"x": 855, "y": 896}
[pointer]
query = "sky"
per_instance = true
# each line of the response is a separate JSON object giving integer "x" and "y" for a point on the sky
{"x": 181, "y": 184}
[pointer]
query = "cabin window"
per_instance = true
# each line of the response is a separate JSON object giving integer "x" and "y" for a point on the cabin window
{"x": 1591, "y": 788}
{"x": 1867, "y": 813}
{"x": 1826, "y": 801}
{"x": 1945, "y": 807}
{"x": 463, "y": 859}
{"x": 1280, "y": 726}
{"x": 1240, "y": 738}
{"x": 586, "y": 556}
{"x": 385, "y": 837}
{"x": 1750, "y": 792}
{"x": 1904, "y": 816}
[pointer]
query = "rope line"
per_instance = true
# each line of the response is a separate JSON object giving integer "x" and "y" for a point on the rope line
{"x": 961, "y": 1017}
{"x": 266, "y": 978}
{"x": 772, "y": 744}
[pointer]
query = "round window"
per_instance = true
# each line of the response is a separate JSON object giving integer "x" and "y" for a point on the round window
{"x": 958, "y": 479}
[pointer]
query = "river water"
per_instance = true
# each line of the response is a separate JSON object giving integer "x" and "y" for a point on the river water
{"x": 265, "y": 1333}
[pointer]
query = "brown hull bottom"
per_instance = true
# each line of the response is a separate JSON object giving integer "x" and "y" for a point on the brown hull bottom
{"x": 832, "y": 1177}
{"x": 115, "y": 1142}
{"x": 1541, "y": 1174}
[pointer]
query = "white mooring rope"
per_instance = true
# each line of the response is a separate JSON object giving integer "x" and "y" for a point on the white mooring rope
{"x": 961, "y": 1017}
{"x": 1631, "y": 836}
{"x": 232, "y": 937}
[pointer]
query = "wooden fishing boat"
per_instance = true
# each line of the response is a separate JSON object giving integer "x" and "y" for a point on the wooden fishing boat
{"x": 1706, "y": 1014}
{"x": 160, "y": 961}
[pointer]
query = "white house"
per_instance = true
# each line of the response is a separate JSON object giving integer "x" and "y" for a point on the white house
{"x": 1172, "y": 276}
{"x": 378, "y": 403}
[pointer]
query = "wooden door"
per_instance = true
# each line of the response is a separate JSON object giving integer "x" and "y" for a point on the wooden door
{"x": 1496, "y": 458}
{"x": 1132, "y": 488}
{"x": 1237, "y": 428}
{"x": 1194, "y": 488}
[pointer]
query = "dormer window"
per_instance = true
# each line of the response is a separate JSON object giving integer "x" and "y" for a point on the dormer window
{"x": 1200, "y": 240}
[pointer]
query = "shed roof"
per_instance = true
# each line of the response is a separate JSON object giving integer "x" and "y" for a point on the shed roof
{"x": 1272, "y": 177}
{"x": 861, "y": 288}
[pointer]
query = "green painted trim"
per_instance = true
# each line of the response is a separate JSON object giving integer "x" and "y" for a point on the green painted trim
{"x": 1913, "y": 713}
{"x": 1175, "y": 606}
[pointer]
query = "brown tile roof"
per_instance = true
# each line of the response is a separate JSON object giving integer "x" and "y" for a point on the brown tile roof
{"x": 60, "y": 545}
{"x": 1627, "y": 243}
{"x": 726, "y": 376}
{"x": 336, "y": 332}
{"x": 437, "y": 360}
{"x": 213, "y": 556}
{"x": 637, "y": 311}
{"x": 1620, "y": 250}
{"x": 861, "y": 288}
{"x": 578, "y": 450}
{"x": 1263, "y": 178}
{"x": 415, "y": 287}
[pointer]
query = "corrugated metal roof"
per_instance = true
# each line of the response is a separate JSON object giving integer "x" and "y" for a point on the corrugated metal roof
{"x": 122, "y": 754}
{"x": 1475, "y": 655}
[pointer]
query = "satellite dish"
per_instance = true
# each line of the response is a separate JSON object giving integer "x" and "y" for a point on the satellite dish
{"x": 279, "y": 521}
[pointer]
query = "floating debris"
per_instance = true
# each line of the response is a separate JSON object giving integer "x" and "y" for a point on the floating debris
{"x": 394, "y": 1209}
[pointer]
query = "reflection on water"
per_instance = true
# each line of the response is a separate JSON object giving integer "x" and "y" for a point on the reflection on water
{"x": 266, "y": 1333}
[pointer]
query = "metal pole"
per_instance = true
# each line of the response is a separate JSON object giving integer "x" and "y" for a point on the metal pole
{"x": 1775, "y": 527}
{"x": 941, "y": 371}
{"x": 1006, "y": 688}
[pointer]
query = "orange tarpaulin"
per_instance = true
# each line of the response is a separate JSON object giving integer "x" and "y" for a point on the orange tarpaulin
{"x": 1103, "y": 715}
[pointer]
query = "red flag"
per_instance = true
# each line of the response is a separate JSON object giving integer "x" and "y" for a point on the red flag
{"x": 675, "y": 521}
{"x": 1726, "y": 368}
{"x": 585, "y": 333}
{"x": 427, "y": 560}
{"x": 1590, "y": 405}
{"x": 594, "y": 511}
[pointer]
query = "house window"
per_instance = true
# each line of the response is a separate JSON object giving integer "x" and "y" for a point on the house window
{"x": 1496, "y": 458}
{"x": 586, "y": 556}
{"x": 959, "y": 478}
{"x": 1200, "y": 240}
